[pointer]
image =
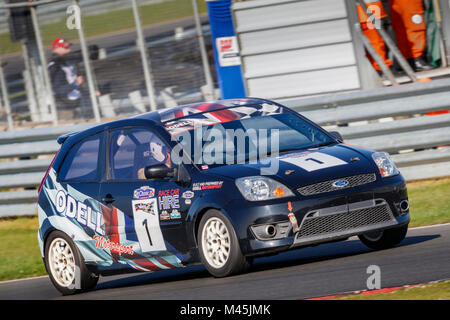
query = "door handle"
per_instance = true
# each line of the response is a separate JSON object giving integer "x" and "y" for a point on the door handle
{"x": 108, "y": 199}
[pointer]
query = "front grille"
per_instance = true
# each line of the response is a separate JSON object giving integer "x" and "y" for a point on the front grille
{"x": 327, "y": 186}
{"x": 339, "y": 223}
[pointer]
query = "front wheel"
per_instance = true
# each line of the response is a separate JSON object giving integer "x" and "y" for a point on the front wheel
{"x": 218, "y": 245}
{"x": 384, "y": 239}
{"x": 65, "y": 265}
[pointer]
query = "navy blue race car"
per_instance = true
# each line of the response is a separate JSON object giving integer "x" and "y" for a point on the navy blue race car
{"x": 213, "y": 183}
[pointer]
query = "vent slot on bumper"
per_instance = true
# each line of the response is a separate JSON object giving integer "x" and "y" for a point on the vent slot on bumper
{"x": 327, "y": 186}
{"x": 341, "y": 221}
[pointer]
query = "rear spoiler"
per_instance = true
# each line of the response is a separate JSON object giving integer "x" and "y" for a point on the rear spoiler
{"x": 64, "y": 137}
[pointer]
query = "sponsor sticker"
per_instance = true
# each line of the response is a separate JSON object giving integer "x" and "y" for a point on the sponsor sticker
{"x": 144, "y": 193}
{"x": 147, "y": 207}
{"x": 168, "y": 192}
{"x": 207, "y": 185}
{"x": 114, "y": 247}
{"x": 169, "y": 199}
{"x": 164, "y": 216}
{"x": 78, "y": 211}
{"x": 188, "y": 195}
{"x": 175, "y": 214}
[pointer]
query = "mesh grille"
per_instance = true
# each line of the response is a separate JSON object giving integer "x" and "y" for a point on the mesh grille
{"x": 327, "y": 186}
{"x": 317, "y": 226}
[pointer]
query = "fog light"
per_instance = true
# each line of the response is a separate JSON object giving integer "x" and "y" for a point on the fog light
{"x": 271, "y": 231}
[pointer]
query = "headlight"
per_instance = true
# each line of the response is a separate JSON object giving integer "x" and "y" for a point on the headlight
{"x": 262, "y": 188}
{"x": 385, "y": 164}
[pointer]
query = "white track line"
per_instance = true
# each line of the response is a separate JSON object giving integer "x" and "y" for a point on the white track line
{"x": 432, "y": 226}
{"x": 23, "y": 279}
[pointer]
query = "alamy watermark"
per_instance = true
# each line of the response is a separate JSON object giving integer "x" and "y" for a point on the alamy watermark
{"x": 374, "y": 280}
{"x": 374, "y": 17}
{"x": 73, "y": 20}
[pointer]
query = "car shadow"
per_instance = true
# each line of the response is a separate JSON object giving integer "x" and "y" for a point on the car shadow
{"x": 327, "y": 251}
{"x": 301, "y": 256}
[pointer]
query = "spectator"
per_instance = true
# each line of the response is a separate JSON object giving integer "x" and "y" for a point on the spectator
{"x": 66, "y": 82}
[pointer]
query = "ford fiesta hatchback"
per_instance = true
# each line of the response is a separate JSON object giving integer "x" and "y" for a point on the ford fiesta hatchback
{"x": 212, "y": 183}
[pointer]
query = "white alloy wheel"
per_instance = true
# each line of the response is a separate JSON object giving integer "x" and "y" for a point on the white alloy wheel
{"x": 216, "y": 242}
{"x": 62, "y": 262}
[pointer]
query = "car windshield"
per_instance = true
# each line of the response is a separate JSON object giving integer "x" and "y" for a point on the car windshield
{"x": 249, "y": 138}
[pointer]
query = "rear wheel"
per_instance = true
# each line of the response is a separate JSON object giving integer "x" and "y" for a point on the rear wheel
{"x": 384, "y": 239}
{"x": 219, "y": 247}
{"x": 65, "y": 265}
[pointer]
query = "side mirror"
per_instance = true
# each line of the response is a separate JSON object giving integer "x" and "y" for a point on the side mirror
{"x": 337, "y": 136}
{"x": 159, "y": 171}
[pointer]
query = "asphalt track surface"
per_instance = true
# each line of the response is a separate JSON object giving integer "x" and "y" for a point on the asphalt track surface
{"x": 310, "y": 272}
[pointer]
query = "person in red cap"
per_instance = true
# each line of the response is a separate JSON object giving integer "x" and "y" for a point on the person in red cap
{"x": 66, "y": 82}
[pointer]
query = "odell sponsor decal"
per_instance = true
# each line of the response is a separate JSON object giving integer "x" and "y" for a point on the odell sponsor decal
{"x": 114, "y": 247}
{"x": 178, "y": 124}
{"x": 207, "y": 185}
{"x": 144, "y": 193}
{"x": 79, "y": 211}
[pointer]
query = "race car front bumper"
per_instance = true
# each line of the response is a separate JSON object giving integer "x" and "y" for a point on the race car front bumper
{"x": 323, "y": 218}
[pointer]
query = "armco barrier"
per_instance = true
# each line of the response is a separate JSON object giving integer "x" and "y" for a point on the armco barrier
{"x": 417, "y": 142}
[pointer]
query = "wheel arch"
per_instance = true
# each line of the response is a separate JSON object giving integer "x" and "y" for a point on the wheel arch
{"x": 201, "y": 213}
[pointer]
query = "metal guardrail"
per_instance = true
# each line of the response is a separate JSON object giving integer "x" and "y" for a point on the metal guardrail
{"x": 417, "y": 143}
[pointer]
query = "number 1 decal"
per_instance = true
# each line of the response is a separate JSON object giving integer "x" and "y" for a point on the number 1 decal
{"x": 146, "y": 224}
{"x": 314, "y": 161}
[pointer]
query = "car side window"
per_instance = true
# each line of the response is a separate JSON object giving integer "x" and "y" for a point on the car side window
{"x": 81, "y": 163}
{"x": 133, "y": 149}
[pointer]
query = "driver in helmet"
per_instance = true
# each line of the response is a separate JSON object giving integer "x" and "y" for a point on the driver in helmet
{"x": 155, "y": 153}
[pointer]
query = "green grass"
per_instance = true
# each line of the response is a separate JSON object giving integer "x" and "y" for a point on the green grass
{"x": 432, "y": 291}
{"x": 19, "y": 250}
{"x": 113, "y": 21}
{"x": 429, "y": 202}
{"x": 20, "y": 255}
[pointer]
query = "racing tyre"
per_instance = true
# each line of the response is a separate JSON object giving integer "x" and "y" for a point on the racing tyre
{"x": 384, "y": 239}
{"x": 218, "y": 245}
{"x": 64, "y": 264}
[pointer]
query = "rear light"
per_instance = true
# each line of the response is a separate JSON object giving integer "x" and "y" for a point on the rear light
{"x": 46, "y": 174}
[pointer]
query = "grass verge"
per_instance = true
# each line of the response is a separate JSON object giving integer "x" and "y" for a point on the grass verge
{"x": 20, "y": 255}
{"x": 431, "y": 291}
{"x": 19, "y": 250}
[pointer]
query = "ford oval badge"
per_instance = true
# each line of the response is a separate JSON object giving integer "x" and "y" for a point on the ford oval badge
{"x": 340, "y": 184}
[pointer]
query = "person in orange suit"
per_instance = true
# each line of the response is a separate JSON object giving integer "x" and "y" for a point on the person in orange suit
{"x": 372, "y": 33}
{"x": 408, "y": 22}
